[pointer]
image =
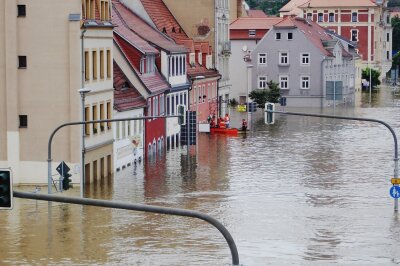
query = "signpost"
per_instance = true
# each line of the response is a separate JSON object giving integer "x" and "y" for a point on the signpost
{"x": 395, "y": 192}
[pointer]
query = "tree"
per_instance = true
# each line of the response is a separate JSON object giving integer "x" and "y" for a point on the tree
{"x": 374, "y": 74}
{"x": 396, "y": 34}
{"x": 272, "y": 94}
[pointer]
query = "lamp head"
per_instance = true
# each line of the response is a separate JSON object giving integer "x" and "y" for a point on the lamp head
{"x": 84, "y": 90}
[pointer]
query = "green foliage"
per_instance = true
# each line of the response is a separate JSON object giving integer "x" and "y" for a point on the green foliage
{"x": 396, "y": 34}
{"x": 233, "y": 102}
{"x": 374, "y": 74}
{"x": 396, "y": 60}
{"x": 270, "y": 7}
{"x": 261, "y": 96}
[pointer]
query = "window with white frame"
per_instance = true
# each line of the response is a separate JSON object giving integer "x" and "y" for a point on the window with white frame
{"x": 284, "y": 82}
{"x": 354, "y": 17}
{"x": 177, "y": 65}
{"x": 354, "y": 35}
{"x": 252, "y": 33}
{"x": 305, "y": 82}
{"x": 277, "y": 36}
{"x": 290, "y": 36}
{"x": 262, "y": 58}
{"x": 162, "y": 109}
{"x": 283, "y": 58}
{"x": 331, "y": 17}
{"x": 309, "y": 16}
{"x": 262, "y": 82}
{"x": 305, "y": 59}
{"x": 320, "y": 17}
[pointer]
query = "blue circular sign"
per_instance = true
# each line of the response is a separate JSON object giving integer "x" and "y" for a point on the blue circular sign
{"x": 395, "y": 192}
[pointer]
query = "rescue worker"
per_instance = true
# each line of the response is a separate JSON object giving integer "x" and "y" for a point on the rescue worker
{"x": 227, "y": 120}
{"x": 244, "y": 125}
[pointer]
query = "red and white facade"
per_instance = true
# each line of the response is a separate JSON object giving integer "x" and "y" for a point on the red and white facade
{"x": 364, "y": 22}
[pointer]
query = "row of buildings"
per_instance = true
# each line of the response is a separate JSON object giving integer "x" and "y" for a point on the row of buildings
{"x": 134, "y": 58}
{"x": 316, "y": 50}
{"x": 139, "y": 58}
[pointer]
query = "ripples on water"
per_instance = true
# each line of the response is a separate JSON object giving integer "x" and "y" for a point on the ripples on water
{"x": 304, "y": 191}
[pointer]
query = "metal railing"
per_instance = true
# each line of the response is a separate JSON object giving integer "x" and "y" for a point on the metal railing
{"x": 139, "y": 207}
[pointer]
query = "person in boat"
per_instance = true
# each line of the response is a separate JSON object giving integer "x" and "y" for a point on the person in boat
{"x": 212, "y": 121}
{"x": 221, "y": 123}
{"x": 227, "y": 120}
{"x": 244, "y": 125}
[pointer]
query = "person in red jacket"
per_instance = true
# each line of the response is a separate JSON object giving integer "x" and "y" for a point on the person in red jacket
{"x": 227, "y": 120}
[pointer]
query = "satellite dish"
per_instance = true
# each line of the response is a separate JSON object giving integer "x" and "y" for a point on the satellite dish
{"x": 244, "y": 48}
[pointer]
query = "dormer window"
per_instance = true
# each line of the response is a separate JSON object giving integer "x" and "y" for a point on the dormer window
{"x": 252, "y": 33}
{"x": 200, "y": 58}
{"x": 147, "y": 64}
{"x": 177, "y": 65}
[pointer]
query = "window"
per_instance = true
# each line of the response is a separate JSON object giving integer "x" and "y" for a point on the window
{"x": 354, "y": 17}
{"x": 22, "y": 61}
{"x": 290, "y": 36}
{"x": 305, "y": 58}
{"x": 309, "y": 16}
{"x": 92, "y": 9}
{"x": 320, "y": 17}
{"x": 104, "y": 10}
{"x": 101, "y": 64}
{"x": 109, "y": 63}
{"x": 387, "y": 55}
{"x": 305, "y": 82}
{"x": 162, "y": 111}
{"x": 252, "y": 33}
{"x": 108, "y": 114}
{"x": 21, "y": 10}
{"x": 149, "y": 112}
{"x": 354, "y": 35}
{"x": 387, "y": 37}
{"x": 102, "y": 117}
{"x": 87, "y": 66}
{"x": 331, "y": 17}
{"x": 94, "y": 64}
{"x": 87, "y": 126}
{"x": 278, "y": 36}
{"x": 262, "y": 59}
{"x": 284, "y": 82}
{"x": 177, "y": 65}
{"x": 283, "y": 58}
{"x": 262, "y": 82}
{"x": 387, "y": 19}
{"x": 94, "y": 117}
{"x": 23, "y": 121}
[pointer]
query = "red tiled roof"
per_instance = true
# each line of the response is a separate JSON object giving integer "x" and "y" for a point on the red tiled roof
{"x": 248, "y": 23}
{"x": 153, "y": 82}
{"x": 338, "y": 3}
{"x": 201, "y": 70}
{"x": 126, "y": 97}
{"x": 130, "y": 36}
{"x": 256, "y": 14}
{"x": 163, "y": 18}
{"x": 145, "y": 31}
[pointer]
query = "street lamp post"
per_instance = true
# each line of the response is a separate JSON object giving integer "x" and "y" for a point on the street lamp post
{"x": 83, "y": 93}
{"x": 249, "y": 67}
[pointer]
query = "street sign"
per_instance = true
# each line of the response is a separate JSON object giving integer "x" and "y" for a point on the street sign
{"x": 395, "y": 192}
{"x": 395, "y": 181}
{"x": 62, "y": 168}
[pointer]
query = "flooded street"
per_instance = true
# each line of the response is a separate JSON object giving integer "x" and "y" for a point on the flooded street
{"x": 305, "y": 191}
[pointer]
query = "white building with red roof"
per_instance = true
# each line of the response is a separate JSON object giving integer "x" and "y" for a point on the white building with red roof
{"x": 313, "y": 68}
{"x": 245, "y": 33}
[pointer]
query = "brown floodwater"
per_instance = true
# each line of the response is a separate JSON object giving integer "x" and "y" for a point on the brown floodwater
{"x": 305, "y": 191}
